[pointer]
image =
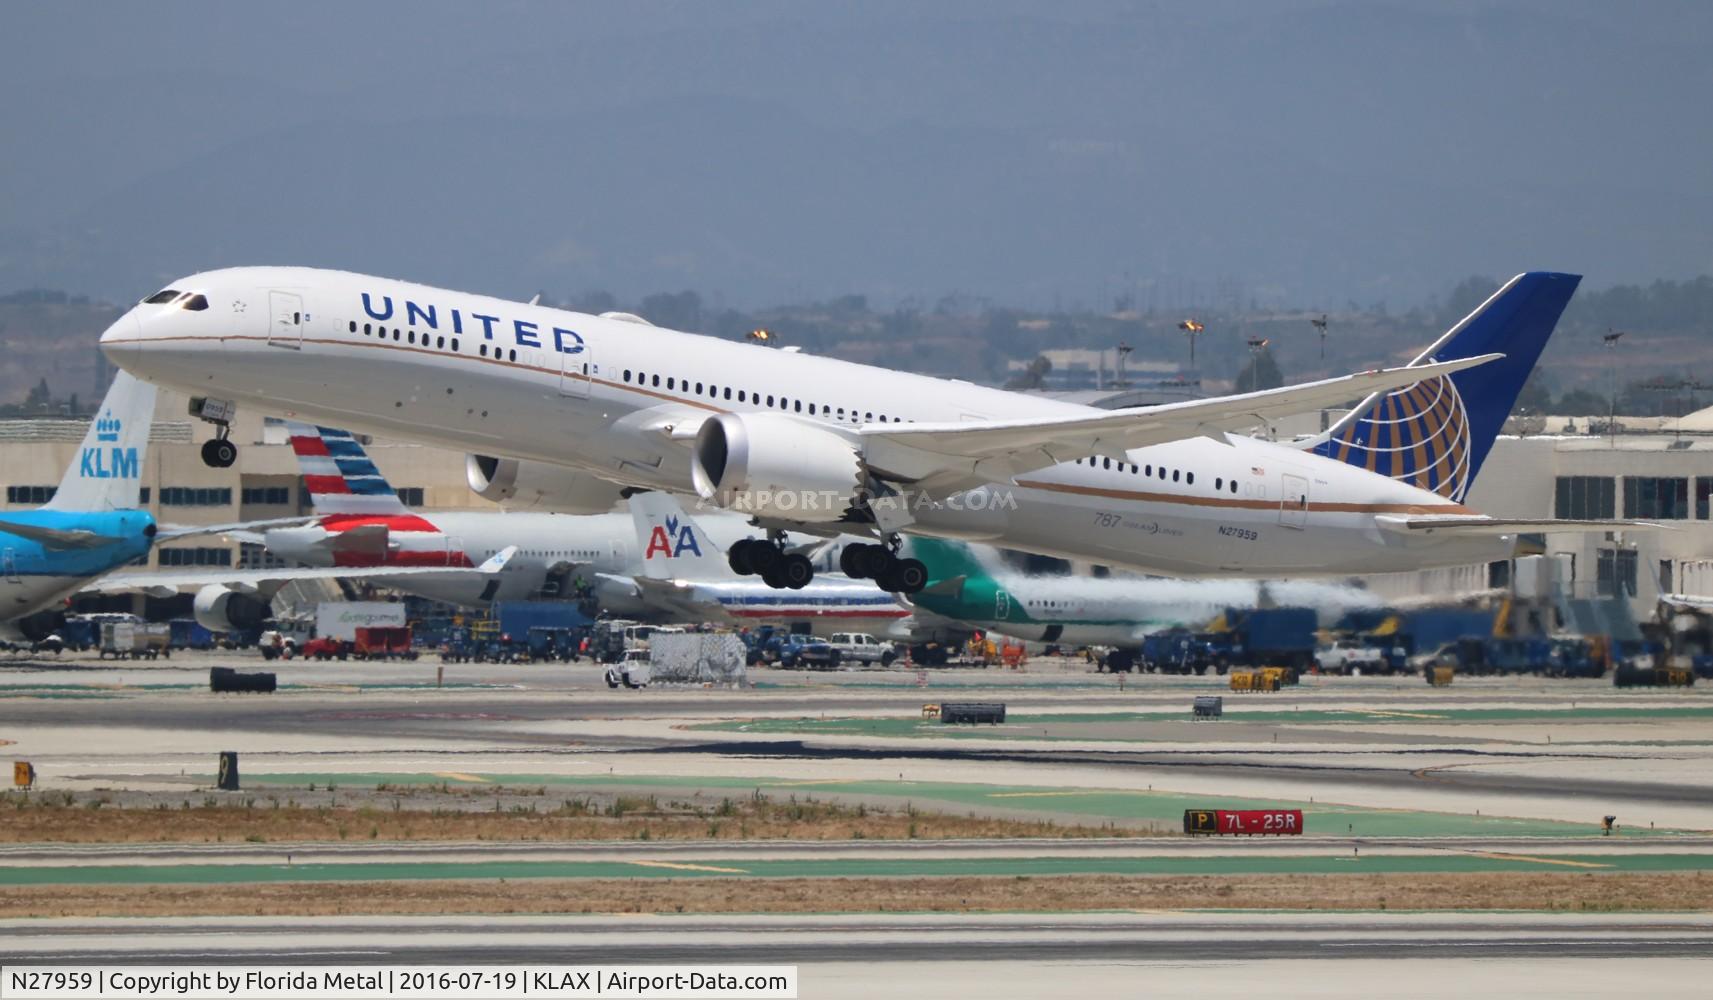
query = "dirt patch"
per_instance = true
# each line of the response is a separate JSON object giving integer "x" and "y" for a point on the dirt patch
{"x": 499, "y": 815}
{"x": 1592, "y": 892}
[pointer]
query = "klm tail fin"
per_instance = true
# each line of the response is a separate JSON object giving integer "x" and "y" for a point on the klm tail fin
{"x": 946, "y": 560}
{"x": 672, "y": 543}
{"x": 338, "y": 473}
{"x": 108, "y": 469}
{"x": 1436, "y": 433}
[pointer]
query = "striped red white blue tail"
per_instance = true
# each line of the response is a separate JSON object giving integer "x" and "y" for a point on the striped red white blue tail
{"x": 338, "y": 473}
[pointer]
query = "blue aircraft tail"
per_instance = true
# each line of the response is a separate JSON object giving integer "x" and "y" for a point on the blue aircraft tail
{"x": 1435, "y": 434}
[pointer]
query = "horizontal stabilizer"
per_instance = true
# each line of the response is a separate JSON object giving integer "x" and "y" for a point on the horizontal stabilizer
{"x": 58, "y": 538}
{"x": 946, "y": 457}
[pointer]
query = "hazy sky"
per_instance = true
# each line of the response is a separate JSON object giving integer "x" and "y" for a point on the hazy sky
{"x": 1307, "y": 153}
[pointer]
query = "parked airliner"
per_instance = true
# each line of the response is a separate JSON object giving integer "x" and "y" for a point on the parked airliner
{"x": 830, "y": 446}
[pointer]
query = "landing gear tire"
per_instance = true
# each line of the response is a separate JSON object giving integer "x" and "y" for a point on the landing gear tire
{"x": 796, "y": 570}
{"x": 873, "y": 561}
{"x": 850, "y": 560}
{"x": 738, "y": 557}
{"x": 774, "y": 576}
{"x": 219, "y": 453}
{"x": 763, "y": 556}
{"x": 910, "y": 575}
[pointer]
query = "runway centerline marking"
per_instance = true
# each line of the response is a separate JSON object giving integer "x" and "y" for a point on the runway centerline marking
{"x": 689, "y": 867}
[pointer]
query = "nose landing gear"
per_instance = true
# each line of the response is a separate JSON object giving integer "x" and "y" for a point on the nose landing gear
{"x": 881, "y": 564}
{"x": 220, "y": 452}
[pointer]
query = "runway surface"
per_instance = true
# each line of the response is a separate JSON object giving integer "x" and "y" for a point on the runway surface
{"x": 1130, "y": 937}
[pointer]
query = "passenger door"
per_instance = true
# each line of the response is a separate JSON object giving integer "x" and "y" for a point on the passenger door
{"x": 575, "y": 371}
{"x": 285, "y": 325}
{"x": 9, "y": 562}
{"x": 1001, "y": 606}
{"x": 1294, "y": 503}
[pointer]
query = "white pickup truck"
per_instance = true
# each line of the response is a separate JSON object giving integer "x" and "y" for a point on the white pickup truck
{"x": 1348, "y": 655}
{"x": 860, "y": 647}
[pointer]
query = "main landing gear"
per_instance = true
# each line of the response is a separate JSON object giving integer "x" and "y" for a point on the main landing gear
{"x": 881, "y": 564}
{"x": 219, "y": 452}
{"x": 767, "y": 558}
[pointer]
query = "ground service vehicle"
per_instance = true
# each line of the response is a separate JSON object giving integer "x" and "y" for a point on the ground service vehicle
{"x": 383, "y": 642}
{"x": 1347, "y": 655}
{"x": 860, "y": 647}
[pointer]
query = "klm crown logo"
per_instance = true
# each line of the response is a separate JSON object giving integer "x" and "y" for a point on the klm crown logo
{"x": 108, "y": 427}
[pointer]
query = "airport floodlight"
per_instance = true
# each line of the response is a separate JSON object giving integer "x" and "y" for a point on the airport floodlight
{"x": 1124, "y": 350}
{"x": 760, "y": 336}
{"x": 1191, "y": 328}
{"x": 1320, "y": 327}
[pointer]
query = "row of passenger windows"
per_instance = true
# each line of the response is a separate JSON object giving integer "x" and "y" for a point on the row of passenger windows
{"x": 730, "y": 395}
{"x": 1220, "y": 483}
{"x": 439, "y": 342}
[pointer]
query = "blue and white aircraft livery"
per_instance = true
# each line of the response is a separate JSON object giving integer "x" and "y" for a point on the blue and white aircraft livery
{"x": 92, "y": 524}
{"x": 797, "y": 441}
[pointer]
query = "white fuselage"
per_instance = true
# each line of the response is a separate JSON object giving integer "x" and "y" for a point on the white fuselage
{"x": 507, "y": 378}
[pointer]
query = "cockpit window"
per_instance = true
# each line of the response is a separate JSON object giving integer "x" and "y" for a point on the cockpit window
{"x": 197, "y": 302}
{"x": 164, "y": 295}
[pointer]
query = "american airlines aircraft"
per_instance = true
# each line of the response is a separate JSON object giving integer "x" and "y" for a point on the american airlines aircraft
{"x": 798, "y": 441}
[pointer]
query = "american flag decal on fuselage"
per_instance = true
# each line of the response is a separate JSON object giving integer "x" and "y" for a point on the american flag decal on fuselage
{"x": 1417, "y": 435}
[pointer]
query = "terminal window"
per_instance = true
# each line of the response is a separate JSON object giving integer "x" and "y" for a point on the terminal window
{"x": 30, "y": 494}
{"x": 410, "y": 496}
{"x": 196, "y": 496}
{"x": 1662, "y": 497}
{"x": 1615, "y": 573}
{"x": 1585, "y": 498}
{"x": 254, "y": 556}
{"x": 1703, "y": 497}
{"x": 276, "y": 495}
{"x": 196, "y": 557}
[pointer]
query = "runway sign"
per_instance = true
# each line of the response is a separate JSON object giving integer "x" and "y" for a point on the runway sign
{"x": 1243, "y": 822}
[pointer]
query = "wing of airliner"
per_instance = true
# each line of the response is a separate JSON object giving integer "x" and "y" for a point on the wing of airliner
{"x": 946, "y": 457}
{"x": 249, "y": 529}
{"x": 268, "y": 580}
{"x": 1457, "y": 524}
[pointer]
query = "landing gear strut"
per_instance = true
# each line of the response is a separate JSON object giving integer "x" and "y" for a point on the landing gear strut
{"x": 220, "y": 452}
{"x": 881, "y": 564}
{"x": 767, "y": 558}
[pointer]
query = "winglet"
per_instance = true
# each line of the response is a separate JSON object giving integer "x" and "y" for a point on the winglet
{"x": 498, "y": 560}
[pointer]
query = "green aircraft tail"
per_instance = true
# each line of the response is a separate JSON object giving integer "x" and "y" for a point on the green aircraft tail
{"x": 946, "y": 560}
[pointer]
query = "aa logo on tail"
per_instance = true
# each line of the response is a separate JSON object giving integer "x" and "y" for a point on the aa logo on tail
{"x": 672, "y": 540}
{"x": 112, "y": 462}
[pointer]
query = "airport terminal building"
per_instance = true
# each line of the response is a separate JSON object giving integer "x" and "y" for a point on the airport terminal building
{"x": 1660, "y": 472}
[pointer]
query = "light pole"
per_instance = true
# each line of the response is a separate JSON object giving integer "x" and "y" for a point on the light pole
{"x": 1611, "y": 341}
{"x": 1124, "y": 350}
{"x": 1320, "y": 327}
{"x": 1191, "y": 328}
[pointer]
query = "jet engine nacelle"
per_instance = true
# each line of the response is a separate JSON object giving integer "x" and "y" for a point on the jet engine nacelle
{"x": 772, "y": 465}
{"x": 517, "y": 485}
{"x": 221, "y": 609}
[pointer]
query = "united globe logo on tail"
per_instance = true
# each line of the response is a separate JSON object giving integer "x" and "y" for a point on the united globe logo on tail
{"x": 1417, "y": 435}
{"x": 672, "y": 540}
